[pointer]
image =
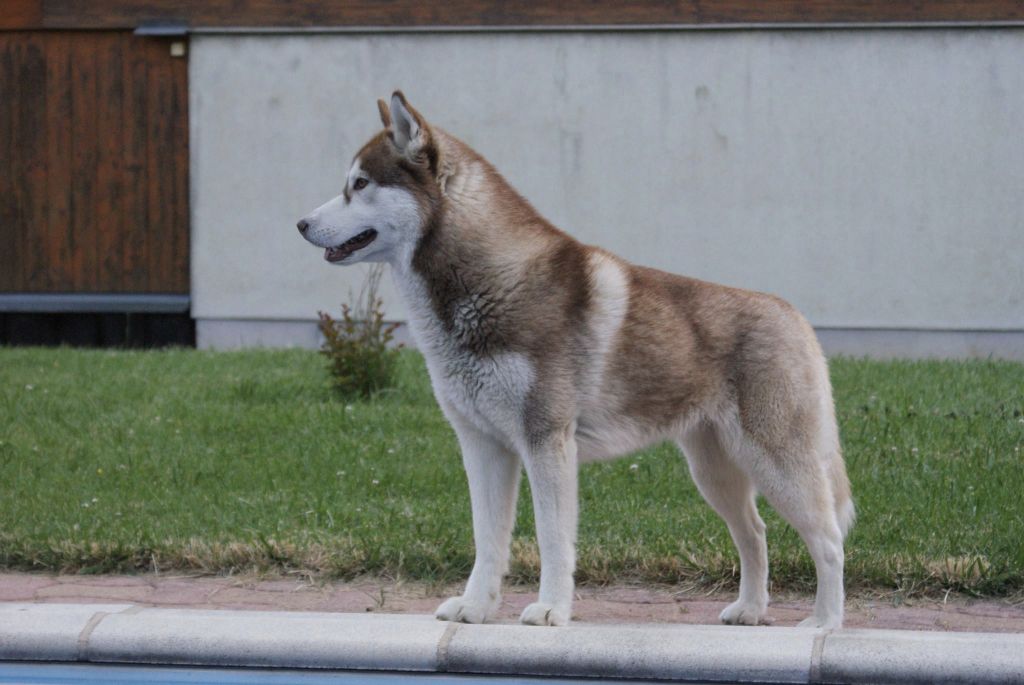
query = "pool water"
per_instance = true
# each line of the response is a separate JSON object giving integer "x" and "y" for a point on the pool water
{"x": 26, "y": 673}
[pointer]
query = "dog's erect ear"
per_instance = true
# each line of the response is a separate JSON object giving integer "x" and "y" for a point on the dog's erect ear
{"x": 385, "y": 115}
{"x": 407, "y": 127}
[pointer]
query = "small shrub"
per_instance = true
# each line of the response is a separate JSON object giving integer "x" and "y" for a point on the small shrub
{"x": 360, "y": 360}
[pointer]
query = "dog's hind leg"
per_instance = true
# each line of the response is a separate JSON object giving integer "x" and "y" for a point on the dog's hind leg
{"x": 810, "y": 510}
{"x": 730, "y": 492}
{"x": 493, "y": 472}
{"x": 798, "y": 485}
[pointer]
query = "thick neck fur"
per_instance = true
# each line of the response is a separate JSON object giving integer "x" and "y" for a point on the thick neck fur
{"x": 486, "y": 260}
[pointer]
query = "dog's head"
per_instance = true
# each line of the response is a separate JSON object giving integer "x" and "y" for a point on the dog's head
{"x": 390, "y": 193}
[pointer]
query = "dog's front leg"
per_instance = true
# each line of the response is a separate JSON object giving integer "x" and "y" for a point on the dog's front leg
{"x": 493, "y": 473}
{"x": 552, "y": 470}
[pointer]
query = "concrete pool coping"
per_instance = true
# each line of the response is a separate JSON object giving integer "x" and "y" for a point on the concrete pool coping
{"x": 122, "y": 633}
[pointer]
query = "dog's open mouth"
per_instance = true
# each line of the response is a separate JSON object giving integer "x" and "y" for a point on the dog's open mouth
{"x": 358, "y": 242}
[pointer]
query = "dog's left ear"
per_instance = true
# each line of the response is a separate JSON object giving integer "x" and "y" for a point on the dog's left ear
{"x": 407, "y": 128}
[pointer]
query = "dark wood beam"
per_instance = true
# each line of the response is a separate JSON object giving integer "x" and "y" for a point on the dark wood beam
{"x": 21, "y": 14}
{"x": 128, "y": 14}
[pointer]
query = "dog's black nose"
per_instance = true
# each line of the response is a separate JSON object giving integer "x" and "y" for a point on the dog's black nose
{"x": 303, "y": 226}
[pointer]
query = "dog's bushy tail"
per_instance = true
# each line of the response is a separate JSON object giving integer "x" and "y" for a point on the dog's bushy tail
{"x": 845, "y": 512}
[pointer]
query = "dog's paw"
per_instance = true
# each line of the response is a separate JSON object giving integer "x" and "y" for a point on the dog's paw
{"x": 540, "y": 614}
{"x": 830, "y": 623}
{"x": 462, "y": 610}
{"x": 741, "y": 613}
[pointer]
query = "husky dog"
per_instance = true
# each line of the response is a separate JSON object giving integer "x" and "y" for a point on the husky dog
{"x": 545, "y": 353}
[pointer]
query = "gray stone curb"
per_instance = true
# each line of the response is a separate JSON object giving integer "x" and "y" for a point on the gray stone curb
{"x": 118, "y": 633}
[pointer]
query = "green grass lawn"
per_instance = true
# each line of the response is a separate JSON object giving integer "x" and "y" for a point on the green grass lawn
{"x": 217, "y": 462}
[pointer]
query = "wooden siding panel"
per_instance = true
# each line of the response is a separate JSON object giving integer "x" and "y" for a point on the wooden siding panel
{"x": 7, "y": 214}
{"x": 31, "y": 141}
{"x": 398, "y": 13}
{"x": 30, "y": 146}
{"x": 81, "y": 236}
{"x": 134, "y": 204}
{"x": 55, "y": 251}
{"x": 109, "y": 181}
{"x": 26, "y": 168}
{"x": 8, "y": 170}
{"x": 157, "y": 159}
{"x": 94, "y": 194}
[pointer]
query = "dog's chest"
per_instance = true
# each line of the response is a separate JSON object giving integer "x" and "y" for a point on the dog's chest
{"x": 489, "y": 392}
{"x": 485, "y": 385}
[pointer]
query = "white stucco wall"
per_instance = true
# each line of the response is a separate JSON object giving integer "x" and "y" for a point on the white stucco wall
{"x": 874, "y": 178}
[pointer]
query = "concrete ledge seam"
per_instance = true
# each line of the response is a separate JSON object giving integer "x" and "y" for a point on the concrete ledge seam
{"x": 442, "y": 647}
{"x": 83, "y": 637}
{"x": 816, "y": 651}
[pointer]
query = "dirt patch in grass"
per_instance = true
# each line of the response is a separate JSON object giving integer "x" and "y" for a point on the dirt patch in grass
{"x": 616, "y": 603}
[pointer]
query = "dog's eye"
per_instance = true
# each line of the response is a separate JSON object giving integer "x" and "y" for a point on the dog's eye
{"x": 359, "y": 184}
